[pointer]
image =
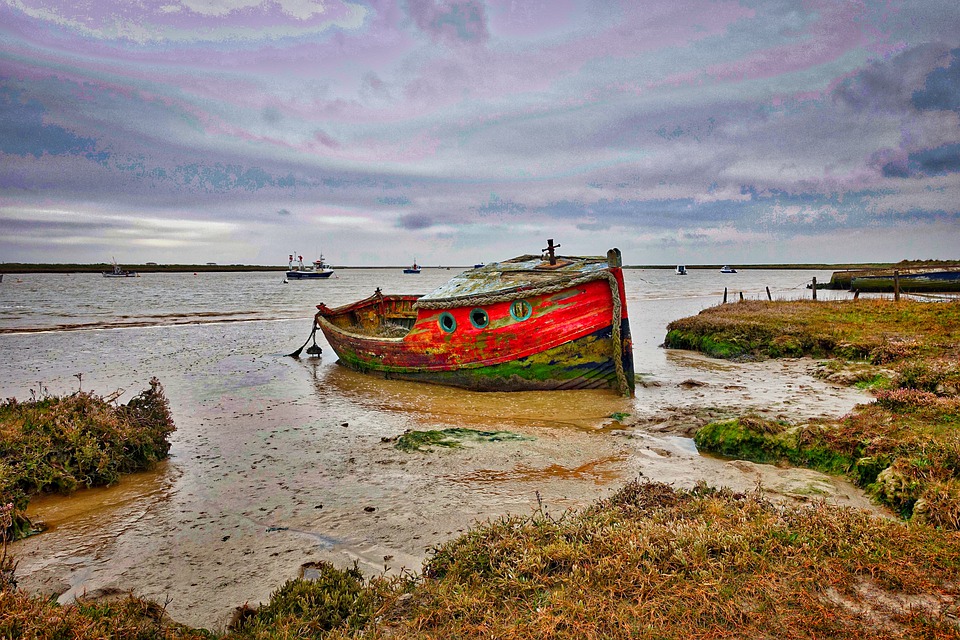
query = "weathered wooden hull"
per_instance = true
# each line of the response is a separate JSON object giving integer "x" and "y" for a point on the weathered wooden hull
{"x": 564, "y": 339}
{"x": 934, "y": 282}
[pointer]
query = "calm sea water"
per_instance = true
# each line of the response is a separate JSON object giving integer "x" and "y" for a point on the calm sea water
{"x": 276, "y": 461}
{"x": 54, "y": 326}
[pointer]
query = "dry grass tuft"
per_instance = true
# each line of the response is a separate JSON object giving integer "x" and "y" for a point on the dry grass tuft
{"x": 655, "y": 562}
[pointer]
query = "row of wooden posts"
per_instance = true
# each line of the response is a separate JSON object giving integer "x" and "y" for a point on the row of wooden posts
{"x": 813, "y": 288}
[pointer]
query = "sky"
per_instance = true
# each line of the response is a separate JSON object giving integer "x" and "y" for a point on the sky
{"x": 452, "y": 132}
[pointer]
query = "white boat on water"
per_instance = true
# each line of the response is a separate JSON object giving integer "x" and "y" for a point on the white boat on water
{"x": 727, "y": 269}
{"x": 119, "y": 273}
{"x": 299, "y": 271}
{"x": 681, "y": 270}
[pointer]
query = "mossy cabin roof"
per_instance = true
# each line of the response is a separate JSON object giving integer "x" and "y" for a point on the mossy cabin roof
{"x": 520, "y": 272}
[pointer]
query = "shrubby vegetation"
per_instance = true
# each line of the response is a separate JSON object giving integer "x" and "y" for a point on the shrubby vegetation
{"x": 61, "y": 443}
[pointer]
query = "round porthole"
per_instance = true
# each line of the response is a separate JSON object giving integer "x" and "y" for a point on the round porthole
{"x": 479, "y": 318}
{"x": 447, "y": 322}
{"x": 520, "y": 310}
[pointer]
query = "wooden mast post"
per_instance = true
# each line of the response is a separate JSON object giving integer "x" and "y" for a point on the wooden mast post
{"x": 550, "y": 250}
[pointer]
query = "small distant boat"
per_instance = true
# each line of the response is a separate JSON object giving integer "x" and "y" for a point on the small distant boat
{"x": 298, "y": 271}
{"x": 415, "y": 268}
{"x": 681, "y": 270}
{"x": 531, "y": 323}
{"x": 727, "y": 269}
{"x": 479, "y": 265}
{"x": 119, "y": 273}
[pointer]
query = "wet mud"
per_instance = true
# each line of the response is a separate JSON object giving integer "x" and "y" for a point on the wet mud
{"x": 259, "y": 485}
{"x": 278, "y": 462}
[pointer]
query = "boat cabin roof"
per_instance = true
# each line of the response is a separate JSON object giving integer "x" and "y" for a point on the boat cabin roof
{"x": 520, "y": 272}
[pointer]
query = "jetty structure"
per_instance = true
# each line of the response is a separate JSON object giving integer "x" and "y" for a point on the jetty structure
{"x": 923, "y": 278}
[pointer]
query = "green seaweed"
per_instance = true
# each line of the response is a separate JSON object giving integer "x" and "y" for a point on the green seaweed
{"x": 451, "y": 438}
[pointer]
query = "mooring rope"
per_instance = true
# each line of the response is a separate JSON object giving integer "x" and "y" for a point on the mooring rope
{"x": 516, "y": 294}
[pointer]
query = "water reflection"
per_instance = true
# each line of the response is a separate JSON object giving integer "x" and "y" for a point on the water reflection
{"x": 452, "y": 406}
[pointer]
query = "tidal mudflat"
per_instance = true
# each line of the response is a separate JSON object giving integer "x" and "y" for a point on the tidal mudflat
{"x": 277, "y": 462}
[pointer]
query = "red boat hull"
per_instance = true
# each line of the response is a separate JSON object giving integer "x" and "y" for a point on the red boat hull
{"x": 560, "y": 340}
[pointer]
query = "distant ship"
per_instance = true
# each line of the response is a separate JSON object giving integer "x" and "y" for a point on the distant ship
{"x": 413, "y": 269}
{"x": 727, "y": 269}
{"x": 298, "y": 271}
{"x": 119, "y": 273}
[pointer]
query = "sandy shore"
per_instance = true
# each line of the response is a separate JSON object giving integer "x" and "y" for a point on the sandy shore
{"x": 253, "y": 493}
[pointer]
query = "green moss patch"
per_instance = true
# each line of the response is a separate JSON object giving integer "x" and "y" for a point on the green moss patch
{"x": 904, "y": 449}
{"x": 451, "y": 438}
{"x": 301, "y": 608}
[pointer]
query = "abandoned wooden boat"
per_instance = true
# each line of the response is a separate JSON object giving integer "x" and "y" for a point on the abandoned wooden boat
{"x": 533, "y": 322}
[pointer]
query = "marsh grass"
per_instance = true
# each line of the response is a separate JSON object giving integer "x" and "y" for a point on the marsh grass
{"x": 652, "y": 561}
{"x": 336, "y": 598}
{"x": 656, "y": 562}
{"x": 121, "y": 618}
{"x": 876, "y": 331}
{"x": 61, "y": 443}
{"x": 904, "y": 448}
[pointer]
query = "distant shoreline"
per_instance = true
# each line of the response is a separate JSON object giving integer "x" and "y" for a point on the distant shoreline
{"x": 23, "y": 268}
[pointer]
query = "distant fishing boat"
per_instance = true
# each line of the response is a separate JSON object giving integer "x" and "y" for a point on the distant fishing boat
{"x": 533, "y": 322}
{"x": 415, "y": 268}
{"x": 119, "y": 273}
{"x": 727, "y": 269}
{"x": 297, "y": 270}
{"x": 681, "y": 270}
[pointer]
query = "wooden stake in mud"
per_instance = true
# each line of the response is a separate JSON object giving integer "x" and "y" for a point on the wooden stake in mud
{"x": 724, "y": 295}
{"x": 814, "y": 287}
{"x": 769, "y": 297}
{"x": 856, "y": 294}
{"x": 741, "y": 296}
{"x": 896, "y": 285}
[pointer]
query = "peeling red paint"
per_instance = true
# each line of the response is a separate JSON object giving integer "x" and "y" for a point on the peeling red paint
{"x": 356, "y": 333}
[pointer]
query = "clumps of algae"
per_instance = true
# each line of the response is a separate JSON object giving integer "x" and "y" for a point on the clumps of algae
{"x": 451, "y": 438}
